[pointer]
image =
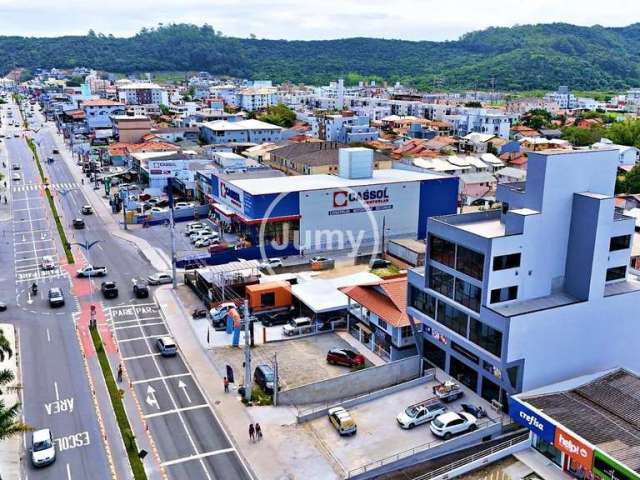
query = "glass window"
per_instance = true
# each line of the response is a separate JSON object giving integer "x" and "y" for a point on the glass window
{"x": 547, "y": 449}
{"x": 463, "y": 373}
{"x": 469, "y": 262}
{"x": 434, "y": 354}
{"x": 485, "y": 337}
{"x": 490, "y": 391}
{"x": 468, "y": 295}
{"x": 504, "y": 294}
{"x": 469, "y": 355}
{"x": 423, "y": 301}
{"x": 268, "y": 299}
{"x": 406, "y": 331}
{"x": 442, "y": 251}
{"x": 452, "y": 318}
{"x": 616, "y": 273}
{"x": 441, "y": 282}
{"x": 504, "y": 262}
{"x": 382, "y": 324}
{"x": 619, "y": 243}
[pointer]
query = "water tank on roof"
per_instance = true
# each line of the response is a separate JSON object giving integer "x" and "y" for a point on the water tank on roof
{"x": 356, "y": 162}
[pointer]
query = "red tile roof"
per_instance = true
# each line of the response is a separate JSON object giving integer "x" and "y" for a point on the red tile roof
{"x": 152, "y": 147}
{"x": 390, "y": 306}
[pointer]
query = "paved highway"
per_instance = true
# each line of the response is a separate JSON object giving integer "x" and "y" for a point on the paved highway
{"x": 190, "y": 440}
{"x": 55, "y": 392}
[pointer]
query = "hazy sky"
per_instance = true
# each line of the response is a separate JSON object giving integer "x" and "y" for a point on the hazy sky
{"x": 307, "y": 19}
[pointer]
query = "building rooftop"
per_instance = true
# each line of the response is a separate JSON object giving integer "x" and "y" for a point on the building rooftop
{"x": 484, "y": 228}
{"x": 302, "y": 183}
{"x": 603, "y": 409}
{"x": 251, "y": 124}
{"x": 386, "y": 298}
{"x": 522, "y": 307}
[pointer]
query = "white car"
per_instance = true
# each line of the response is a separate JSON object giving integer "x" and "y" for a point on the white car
{"x": 451, "y": 423}
{"x": 420, "y": 413}
{"x": 219, "y": 313}
{"x": 48, "y": 263}
{"x": 157, "y": 210}
{"x": 193, "y": 227}
{"x": 179, "y": 205}
{"x": 159, "y": 278}
{"x": 16, "y": 177}
{"x": 206, "y": 241}
{"x": 272, "y": 263}
{"x": 202, "y": 234}
{"x": 43, "y": 448}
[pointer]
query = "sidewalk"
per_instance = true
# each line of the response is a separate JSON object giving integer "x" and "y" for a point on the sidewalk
{"x": 287, "y": 449}
{"x": 11, "y": 448}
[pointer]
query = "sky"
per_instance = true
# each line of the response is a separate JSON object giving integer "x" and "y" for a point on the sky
{"x": 308, "y": 19}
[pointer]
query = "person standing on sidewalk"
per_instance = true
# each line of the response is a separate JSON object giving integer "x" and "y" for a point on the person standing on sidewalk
{"x": 258, "y": 431}
{"x": 119, "y": 373}
{"x": 252, "y": 433}
{"x": 226, "y": 385}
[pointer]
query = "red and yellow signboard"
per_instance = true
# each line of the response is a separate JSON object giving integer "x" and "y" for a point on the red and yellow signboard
{"x": 577, "y": 450}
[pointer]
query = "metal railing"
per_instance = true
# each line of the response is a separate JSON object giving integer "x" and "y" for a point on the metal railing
{"x": 472, "y": 458}
{"x": 411, "y": 451}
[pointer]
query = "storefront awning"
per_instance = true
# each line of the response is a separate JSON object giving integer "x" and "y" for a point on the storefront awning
{"x": 228, "y": 212}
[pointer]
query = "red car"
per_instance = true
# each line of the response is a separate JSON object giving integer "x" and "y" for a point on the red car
{"x": 344, "y": 356}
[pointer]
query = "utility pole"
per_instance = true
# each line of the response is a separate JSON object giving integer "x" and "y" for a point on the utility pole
{"x": 276, "y": 382}
{"x": 247, "y": 352}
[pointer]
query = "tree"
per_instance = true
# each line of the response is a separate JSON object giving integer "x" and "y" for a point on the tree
{"x": 537, "y": 118}
{"x": 582, "y": 137}
{"x": 280, "y": 115}
{"x": 164, "y": 109}
{"x": 10, "y": 423}
{"x": 473, "y": 104}
{"x": 625, "y": 133}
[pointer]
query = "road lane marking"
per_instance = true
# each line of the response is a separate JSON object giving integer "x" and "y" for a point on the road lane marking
{"x": 137, "y": 326}
{"x": 55, "y": 387}
{"x": 197, "y": 457}
{"x": 175, "y": 410}
{"x": 135, "y": 357}
{"x": 48, "y": 336}
{"x": 154, "y": 379}
{"x": 68, "y": 472}
{"x": 152, "y": 337}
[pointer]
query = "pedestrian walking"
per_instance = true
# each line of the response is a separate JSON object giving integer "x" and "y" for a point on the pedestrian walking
{"x": 119, "y": 373}
{"x": 226, "y": 385}
{"x": 258, "y": 431}
{"x": 252, "y": 432}
{"x": 5, "y": 199}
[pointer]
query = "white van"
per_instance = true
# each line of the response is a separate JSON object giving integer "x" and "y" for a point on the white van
{"x": 298, "y": 326}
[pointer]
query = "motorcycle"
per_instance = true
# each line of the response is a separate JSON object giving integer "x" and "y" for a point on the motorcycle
{"x": 34, "y": 289}
{"x": 200, "y": 313}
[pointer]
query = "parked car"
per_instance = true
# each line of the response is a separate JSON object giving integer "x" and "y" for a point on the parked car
{"x": 378, "y": 263}
{"x": 87, "y": 210}
{"x": 158, "y": 210}
{"x": 420, "y": 413}
{"x": 181, "y": 205}
{"x": 344, "y": 356}
{"x": 78, "y": 223}
{"x": 43, "y": 448}
{"x": 109, "y": 289}
{"x": 194, "y": 227}
{"x": 200, "y": 234}
{"x": 342, "y": 420}
{"x": 199, "y": 313}
{"x": 15, "y": 166}
{"x": 140, "y": 288}
{"x": 322, "y": 263}
{"x": 48, "y": 263}
{"x": 271, "y": 263}
{"x": 452, "y": 423}
{"x": 16, "y": 177}
{"x": 166, "y": 346}
{"x": 159, "y": 278}
{"x": 297, "y": 326}
{"x": 219, "y": 313}
{"x": 56, "y": 297}
{"x": 264, "y": 377}
{"x": 206, "y": 241}
{"x": 3, "y": 306}
{"x": 277, "y": 318}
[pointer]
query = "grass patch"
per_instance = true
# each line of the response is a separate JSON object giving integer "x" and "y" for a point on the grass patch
{"x": 63, "y": 236}
{"x": 390, "y": 271}
{"x": 118, "y": 408}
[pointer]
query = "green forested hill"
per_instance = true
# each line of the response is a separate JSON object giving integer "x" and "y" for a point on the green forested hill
{"x": 519, "y": 58}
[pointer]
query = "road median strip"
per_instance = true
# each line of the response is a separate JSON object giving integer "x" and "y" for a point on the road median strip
{"x": 118, "y": 408}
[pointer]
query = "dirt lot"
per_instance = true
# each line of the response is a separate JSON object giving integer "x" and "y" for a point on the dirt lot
{"x": 300, "y": 360}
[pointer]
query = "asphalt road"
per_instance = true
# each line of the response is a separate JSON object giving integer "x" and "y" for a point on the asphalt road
{"x": 53, "y": 396}
{"x": 190, "y": 440}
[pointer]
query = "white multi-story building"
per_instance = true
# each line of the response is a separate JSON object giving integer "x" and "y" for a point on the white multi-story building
{"x": 563, "y": 98}
{"x": 538, "y": 291}
{"x": 339, "y": 128}
{"x": 98, "y": 111}
{"x": 142, "y": 93}
{"x": 252, "y": 99}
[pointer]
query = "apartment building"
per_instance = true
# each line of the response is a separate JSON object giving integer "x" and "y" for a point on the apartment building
{"x": 536, "y": 292}
{"x": 240, "y": 131}
{"x": 142, "y": 93}
{"x": 98, "y": 111}
{"x": 563, "y": 98}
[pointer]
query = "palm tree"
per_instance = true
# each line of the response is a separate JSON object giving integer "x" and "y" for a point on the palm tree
{"x": 10, "y": 424}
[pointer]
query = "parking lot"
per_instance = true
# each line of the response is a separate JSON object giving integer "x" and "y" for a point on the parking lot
{"x": 300, "y": 361}
{"x": 187, "y": 434}
{"x": 379, "y": 436}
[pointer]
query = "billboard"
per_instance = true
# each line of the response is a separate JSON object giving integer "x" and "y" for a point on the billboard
{"x": 607, "y": 468}
{"x": 526, "y": 417}
{"x": 231, "y": 196}
{"x": 576, "y": 449}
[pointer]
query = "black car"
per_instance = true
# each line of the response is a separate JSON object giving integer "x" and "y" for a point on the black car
{"x": 78, "y": 223}
{"x": 271, "y": 319}
{"x": 3, "y": 306}
{"x": 264, "y": 377}
{"x": 56, "y": 298}
{"x": 109, "y": 289}
{"x": 140, "y": 289}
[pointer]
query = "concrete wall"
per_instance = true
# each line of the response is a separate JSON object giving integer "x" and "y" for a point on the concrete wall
{"x": 353, "y": 384}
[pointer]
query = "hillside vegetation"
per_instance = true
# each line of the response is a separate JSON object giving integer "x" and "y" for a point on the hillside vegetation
{"x": 519, "y": 58}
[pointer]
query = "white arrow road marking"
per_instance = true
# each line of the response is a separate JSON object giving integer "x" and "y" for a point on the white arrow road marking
{"x": 183, "y": 386}
{"x": 29, "y": 301}
{"x": 151, "y": 397}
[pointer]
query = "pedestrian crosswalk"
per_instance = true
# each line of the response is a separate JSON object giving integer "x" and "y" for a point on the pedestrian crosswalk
{"x": 32, "y": 187}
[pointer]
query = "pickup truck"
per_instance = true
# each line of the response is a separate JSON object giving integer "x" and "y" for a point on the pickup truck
{"x": 420, "y": 413}
{"x": 91, "y": 271}
{"x": 448, "y": 391}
